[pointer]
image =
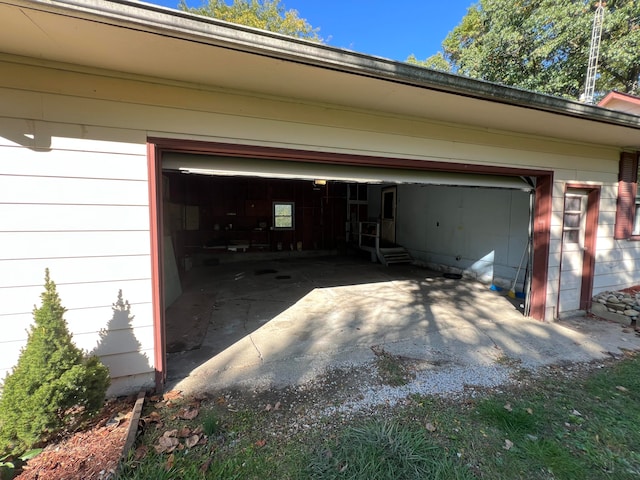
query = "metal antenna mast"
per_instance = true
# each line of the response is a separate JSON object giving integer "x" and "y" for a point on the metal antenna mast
{"x": 594, "y": 50}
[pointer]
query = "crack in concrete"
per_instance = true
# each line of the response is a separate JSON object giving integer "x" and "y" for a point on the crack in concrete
{"x": 257, "y": 350}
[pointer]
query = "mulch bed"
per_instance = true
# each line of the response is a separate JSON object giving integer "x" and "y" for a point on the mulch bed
{"x": 92, "y": 453}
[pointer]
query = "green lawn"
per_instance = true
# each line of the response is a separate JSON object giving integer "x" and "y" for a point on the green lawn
{"x": 548, "y": 427}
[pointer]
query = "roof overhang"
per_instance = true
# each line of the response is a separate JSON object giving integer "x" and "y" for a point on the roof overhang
{"x": 622, "y": 102}
{"x": 134, "y": 38}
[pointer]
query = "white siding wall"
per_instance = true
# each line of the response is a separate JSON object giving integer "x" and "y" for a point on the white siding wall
{"x": 75, "y": 200}
{"x": 481, "y": 231}
{"x": 74, "y": 184}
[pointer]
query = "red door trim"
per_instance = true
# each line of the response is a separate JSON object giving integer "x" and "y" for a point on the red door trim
{"x": 541, "y": 240}
{"x": 154, "y": 168}
{"x": 590, "y": 235}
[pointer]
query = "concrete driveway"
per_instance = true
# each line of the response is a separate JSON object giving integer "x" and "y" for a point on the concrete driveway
{"x": 276, "y": 323}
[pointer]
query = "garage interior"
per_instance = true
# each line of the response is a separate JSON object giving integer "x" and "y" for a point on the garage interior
{"x": 246, "y": 239}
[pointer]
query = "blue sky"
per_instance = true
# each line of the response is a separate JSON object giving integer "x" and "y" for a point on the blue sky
{"x": 387, "y": 29}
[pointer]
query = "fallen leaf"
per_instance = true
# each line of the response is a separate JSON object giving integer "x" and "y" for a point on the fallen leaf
{"x": 529, "y": 411}
{"x": 507, "y": 444}
{"x": 277, "y": 406}
{"x": 172, "y": 395}
{"x": 166, "y": 444}
{"x": 268, "y": 407}
{"x": 171, "y": 433}
{"x": 153, "y": 417}
{"x": 220, "y": 401}
{"x": 576, "y": 413}
{"x": 198, "y": 430}
{"x": 192, "y": 441}
{"x": 507, "y": 406}
{"x": 261, "y": 443}
{"x": 189, "y": 413}
{"x": 169, "y": 463}
{"x": 621, "y": 388}
{"x": 184, "y": 432}
{"x": 141, "y": 452}
{"x": 342, "y": 467}
{"x": 430, "y": 427}
{"x": 205, "y": 466}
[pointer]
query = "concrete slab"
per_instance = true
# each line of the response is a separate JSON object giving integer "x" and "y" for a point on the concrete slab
{"x": 278, "y": 323}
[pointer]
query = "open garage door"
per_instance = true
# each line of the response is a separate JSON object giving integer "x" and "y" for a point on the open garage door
{"x": 219, "y": 208}
{"x": 233, "y": 166}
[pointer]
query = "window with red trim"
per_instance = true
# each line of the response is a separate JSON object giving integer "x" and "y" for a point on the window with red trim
{"x": 628, "y": 204}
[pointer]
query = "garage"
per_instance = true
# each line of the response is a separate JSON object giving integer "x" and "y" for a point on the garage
{"x": 246, "y": 238}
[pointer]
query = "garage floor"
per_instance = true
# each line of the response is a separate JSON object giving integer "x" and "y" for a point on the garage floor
{"x": 272, "y": 323}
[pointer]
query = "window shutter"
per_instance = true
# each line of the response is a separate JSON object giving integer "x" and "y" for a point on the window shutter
{"x": 627, "y": 185}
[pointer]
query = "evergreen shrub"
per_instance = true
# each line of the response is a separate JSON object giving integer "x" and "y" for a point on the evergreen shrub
{"x": 54, "y": 386}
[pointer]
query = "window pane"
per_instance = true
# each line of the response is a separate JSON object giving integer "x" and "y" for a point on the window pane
{"x": 284, "y": 222}
{"x": 283, "y": 210}
{"x": 571, "y": 236}
{"x": 572, "y": 220}
{"x": 636, "y": 221}
{"x": 572, "y": 203}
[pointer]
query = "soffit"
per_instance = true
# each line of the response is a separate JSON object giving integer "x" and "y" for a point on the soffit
{"x": 136, "y": 39}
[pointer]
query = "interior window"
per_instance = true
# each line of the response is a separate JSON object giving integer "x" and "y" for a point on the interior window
{"x": 283, "y": 218}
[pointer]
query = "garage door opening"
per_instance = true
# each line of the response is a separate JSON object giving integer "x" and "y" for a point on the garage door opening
{"x": 230, "y": 224}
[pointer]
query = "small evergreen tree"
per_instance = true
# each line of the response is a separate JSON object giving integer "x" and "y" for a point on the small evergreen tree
{"x": 53, "y": 386}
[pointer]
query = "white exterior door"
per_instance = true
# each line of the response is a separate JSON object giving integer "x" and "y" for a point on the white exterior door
{"x": 388, "y": 222}
{"x": 573, "y": 250}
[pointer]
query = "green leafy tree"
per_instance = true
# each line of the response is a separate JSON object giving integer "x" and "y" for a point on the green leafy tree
{"x": 53, "y": 386}
{"x": 264, "y": 14}
{"x": 434, "y": 62}
{"x": 543, "y": 45}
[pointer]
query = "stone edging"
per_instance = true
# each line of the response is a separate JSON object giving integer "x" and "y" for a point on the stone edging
{"x": 618, "y": 306}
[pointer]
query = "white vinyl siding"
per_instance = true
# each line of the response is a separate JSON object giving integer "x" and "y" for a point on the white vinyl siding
{"x": 80, "y": 208}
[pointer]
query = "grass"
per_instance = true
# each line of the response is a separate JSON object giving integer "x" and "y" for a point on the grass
{"x": 381, "y": 449}
{"x": 551, "y": 428}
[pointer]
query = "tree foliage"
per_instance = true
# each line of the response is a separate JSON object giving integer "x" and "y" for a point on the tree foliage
{"x": 264, "y": 14}
{"x": 543, "y": 45}
{"x": 53, "y": 385}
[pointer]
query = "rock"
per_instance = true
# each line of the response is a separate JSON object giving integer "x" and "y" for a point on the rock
{"x": 601, "y": 300}
{"x": 616, "y": 306}
{"x": 631, "y": 313}
{"x": 612, "y": 299}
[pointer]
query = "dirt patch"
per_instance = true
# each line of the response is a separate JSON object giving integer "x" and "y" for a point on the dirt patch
{"x": 90, "y": 454}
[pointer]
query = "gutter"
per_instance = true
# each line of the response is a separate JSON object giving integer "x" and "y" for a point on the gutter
{"x": 205, "y": 30}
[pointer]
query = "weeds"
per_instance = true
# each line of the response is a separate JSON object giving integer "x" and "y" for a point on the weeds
{"x": 391, "y": 368}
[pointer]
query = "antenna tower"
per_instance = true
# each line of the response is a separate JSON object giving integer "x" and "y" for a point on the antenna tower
{"x": 594, "y": 50}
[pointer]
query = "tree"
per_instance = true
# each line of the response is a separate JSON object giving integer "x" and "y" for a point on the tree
{"x": 543, "y": 45}
{"x": 434, "y": 62}
{"x": 264, "y": 14}
{"x": 53, "y": 386}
